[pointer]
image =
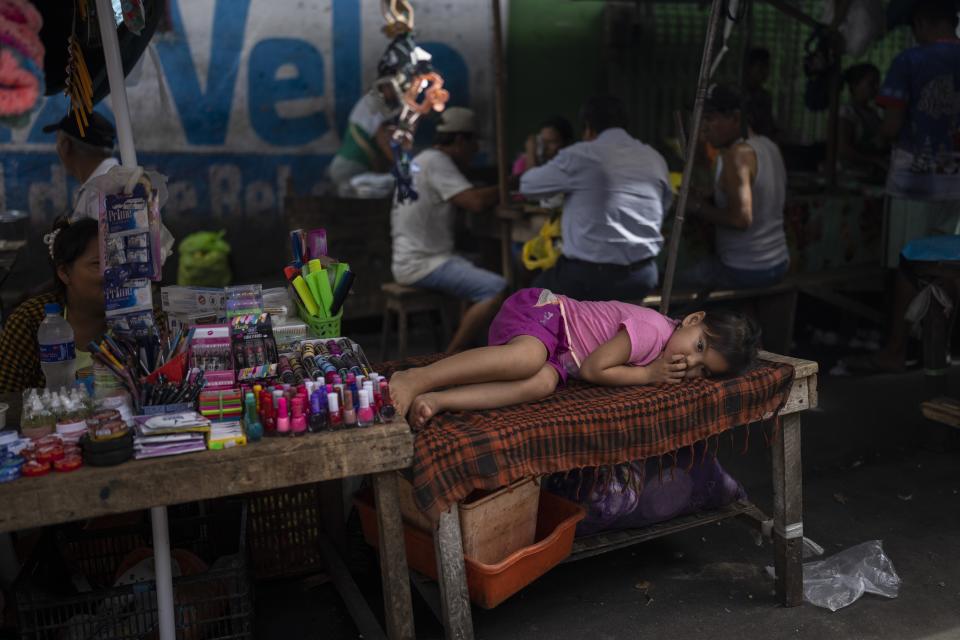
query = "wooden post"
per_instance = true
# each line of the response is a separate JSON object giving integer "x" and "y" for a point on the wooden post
{"x": 452, "y": 573}
{"x": 398, "y": 611}
{"x": 693, "y": 137}
{"x": 833, "y": 116}
{"x": 836, "y": 88}
{"x": 506, "y": 256}
{"x": 788, "y": 511}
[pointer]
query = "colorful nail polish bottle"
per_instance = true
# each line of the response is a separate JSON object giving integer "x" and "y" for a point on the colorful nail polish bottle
{"x": 252, "y": 422}
{"x": 283, "y": 418}
{"x": 267, "y": 414}
{"x": 318, "y": 412}
{"x": 364, "y": 413}
{"x": 349, "y": 413}
{"x": 333, "y": 404}
{"x": 387, "y": 410}
{"x": 298, "y": 424}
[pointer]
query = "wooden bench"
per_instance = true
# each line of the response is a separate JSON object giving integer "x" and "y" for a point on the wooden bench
{"x": 403, "y": 301}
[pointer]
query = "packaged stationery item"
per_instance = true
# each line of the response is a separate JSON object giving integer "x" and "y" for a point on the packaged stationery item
{"x": 211, "y": 353}
{"x": 243, "y": 300}
{"x": 224, "y": 435}
{"x": 224, "y": 404}
{"x": 253, "y": 346}
{"x": 170, "y": 434}
{"x": 130, "y": 235}
{"x": 189, "y": 300}
{"x": 129, "y": 309}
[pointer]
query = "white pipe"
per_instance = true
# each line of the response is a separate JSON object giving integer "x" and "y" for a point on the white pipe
{"x": 118, "y": 90}
{"x": 164, "y": 575}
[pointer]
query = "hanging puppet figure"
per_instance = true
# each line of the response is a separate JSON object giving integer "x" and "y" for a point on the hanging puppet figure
{"x": 407, "y": 69}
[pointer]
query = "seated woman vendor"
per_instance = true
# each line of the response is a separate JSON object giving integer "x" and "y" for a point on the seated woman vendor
{"x": 539, "y": 338}
{"x": 75, "y": 254}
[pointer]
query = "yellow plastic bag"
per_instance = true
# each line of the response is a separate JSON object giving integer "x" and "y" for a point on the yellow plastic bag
{"x": 542, "y": 252}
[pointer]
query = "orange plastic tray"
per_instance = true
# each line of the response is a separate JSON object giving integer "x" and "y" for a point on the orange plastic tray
{"x": 490, "y": 584}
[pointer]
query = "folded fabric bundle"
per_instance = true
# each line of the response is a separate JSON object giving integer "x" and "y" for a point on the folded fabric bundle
{"x": 21, "y": 60}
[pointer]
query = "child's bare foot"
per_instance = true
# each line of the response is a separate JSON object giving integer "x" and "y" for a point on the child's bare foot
{"x": 403, "y": 390}
{"x": 424, "y": 407}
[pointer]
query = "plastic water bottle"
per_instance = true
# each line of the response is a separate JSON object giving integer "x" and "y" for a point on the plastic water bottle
{"x": 57, "y": 348}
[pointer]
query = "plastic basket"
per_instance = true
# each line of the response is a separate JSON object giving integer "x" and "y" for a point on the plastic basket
{"x": 215, "y": 604}
{"x": 284, "y": 530}
{"x": 321, "y": 327}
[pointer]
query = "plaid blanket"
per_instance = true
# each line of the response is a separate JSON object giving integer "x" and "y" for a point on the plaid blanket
{"x": 580, "y": 425}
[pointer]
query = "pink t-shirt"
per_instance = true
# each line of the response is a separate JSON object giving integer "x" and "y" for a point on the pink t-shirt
{"x": 590, "y": 324}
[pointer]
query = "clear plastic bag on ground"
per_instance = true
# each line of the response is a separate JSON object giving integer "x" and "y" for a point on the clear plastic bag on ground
{"x": 840, "y": 580}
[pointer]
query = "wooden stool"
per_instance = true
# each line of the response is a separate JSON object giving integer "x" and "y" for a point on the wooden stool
{"x": 403, "y": 301}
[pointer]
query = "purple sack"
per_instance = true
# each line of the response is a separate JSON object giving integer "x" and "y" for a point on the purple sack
{"x": 642, "y": 493}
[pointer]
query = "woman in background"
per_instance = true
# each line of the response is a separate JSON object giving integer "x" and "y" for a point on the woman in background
{"x": 75, "y": 255}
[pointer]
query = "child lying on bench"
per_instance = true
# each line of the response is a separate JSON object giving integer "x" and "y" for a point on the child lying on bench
{"x": 538, "y": 338}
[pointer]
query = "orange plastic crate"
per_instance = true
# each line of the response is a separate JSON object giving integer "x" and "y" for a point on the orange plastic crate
{"x": 491, "y": 584}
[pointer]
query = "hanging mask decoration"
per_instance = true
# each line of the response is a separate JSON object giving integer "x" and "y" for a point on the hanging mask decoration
{"x": 406, "y": 72}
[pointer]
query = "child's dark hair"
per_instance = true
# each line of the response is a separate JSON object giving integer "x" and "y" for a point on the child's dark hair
{"x": 70, "y": 240}
{"x": 734, "y": 336}
{"x": 854, "y": 75}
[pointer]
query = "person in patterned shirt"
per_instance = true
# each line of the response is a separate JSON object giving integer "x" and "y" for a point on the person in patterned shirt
{"x": 75, "y": 254}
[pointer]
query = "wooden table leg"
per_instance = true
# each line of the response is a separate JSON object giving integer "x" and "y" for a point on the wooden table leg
{"x": 788, "y": 511}
{"x": 398, "y": 607}
{"x": 454, "y": 597}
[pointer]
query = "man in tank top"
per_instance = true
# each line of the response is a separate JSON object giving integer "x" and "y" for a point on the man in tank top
{"x": 746, "y": 207}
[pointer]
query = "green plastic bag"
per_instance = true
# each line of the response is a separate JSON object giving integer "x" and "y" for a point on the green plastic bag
{"x": 203, "y": 260}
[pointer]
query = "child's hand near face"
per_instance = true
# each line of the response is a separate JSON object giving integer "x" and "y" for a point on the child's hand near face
{"x": 667, "y": 369}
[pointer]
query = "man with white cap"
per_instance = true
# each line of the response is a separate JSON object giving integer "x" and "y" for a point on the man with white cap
{"x": 422, "y": 229}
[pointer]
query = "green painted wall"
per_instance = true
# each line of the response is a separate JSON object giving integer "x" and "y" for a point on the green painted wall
{"x": 553, "y": 62}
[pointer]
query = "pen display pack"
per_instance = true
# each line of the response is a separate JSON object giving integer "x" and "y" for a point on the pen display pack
{"x": 253, "y": 346}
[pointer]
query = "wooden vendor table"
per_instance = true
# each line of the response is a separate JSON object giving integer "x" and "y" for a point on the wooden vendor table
{"x": 269, "y": 464}
{"x": 785, "y": 527}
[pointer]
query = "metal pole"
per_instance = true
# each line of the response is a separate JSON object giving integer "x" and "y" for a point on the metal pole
{"x": 128, "y": 158}
{"x": 118, "y": 90}
{"x": 164, "y": 575}
{"x": 693, "y": 137}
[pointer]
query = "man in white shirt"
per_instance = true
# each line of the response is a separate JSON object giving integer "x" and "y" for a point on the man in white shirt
{"x": 422, "y": 229}
{"x": 616, "y": 192}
